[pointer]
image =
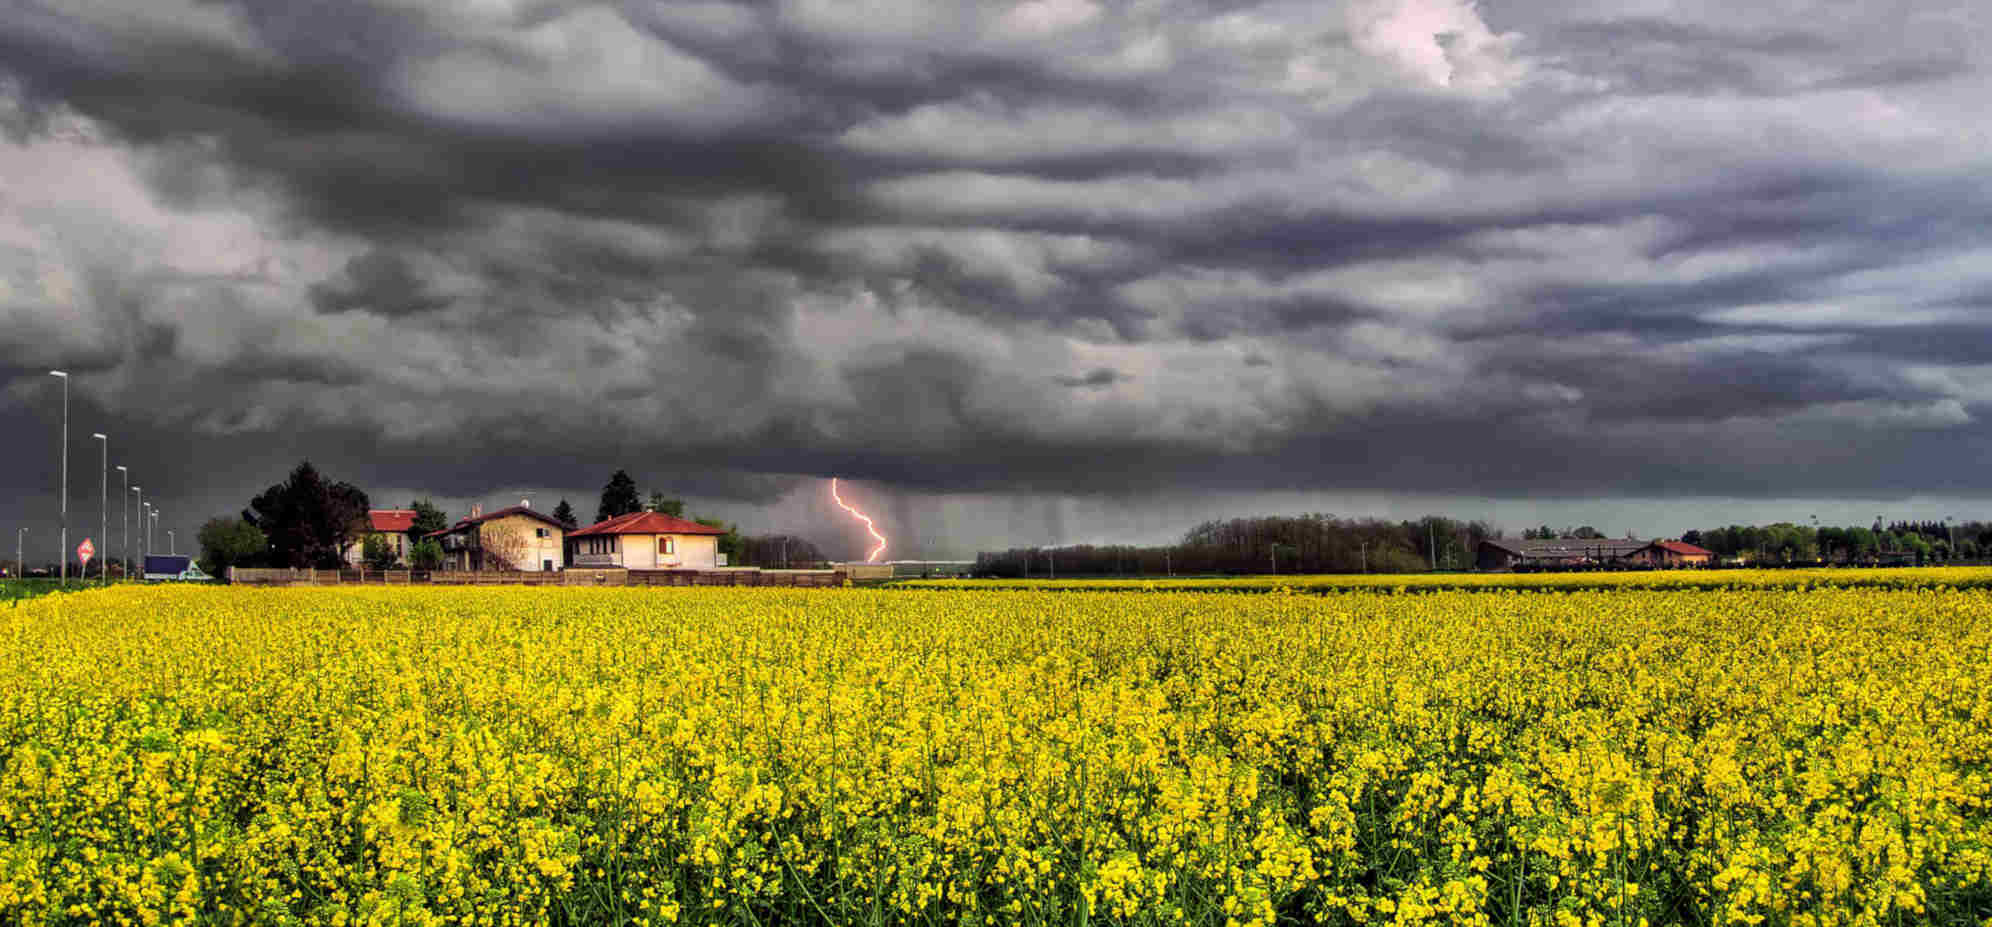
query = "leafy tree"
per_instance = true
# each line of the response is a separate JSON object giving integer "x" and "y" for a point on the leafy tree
{"x": 1587, "y": 533}
{"x": 564, "y": 513}
{"x": 778, "y": 550}
{"x": 376, "y": 552}
{"x": 618, "y": 498}
{"x": 426, "y": 555}
{"x": 672, "y": 507}
{"x": 227, "y": 542}
{"x": 428, "y": 519}
{"x": 730, "y": 543}
{"x": 309, "y": 522}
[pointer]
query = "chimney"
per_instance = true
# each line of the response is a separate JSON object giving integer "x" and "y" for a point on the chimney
{"x": 476, "y": 510}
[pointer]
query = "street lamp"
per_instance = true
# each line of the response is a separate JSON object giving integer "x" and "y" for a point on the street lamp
{"x": 124, "y": 521}
{"x": 20, "y": 558}
{"x": 141, "y": 524}
{"x": 171, "y": 546}
{"x": 154, "y": 523}
{"x": 62, "y": 545}
{"x": 104, "y": 508}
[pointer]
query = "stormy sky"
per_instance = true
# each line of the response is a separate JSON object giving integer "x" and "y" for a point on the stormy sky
{"x": 1025, "y": 272}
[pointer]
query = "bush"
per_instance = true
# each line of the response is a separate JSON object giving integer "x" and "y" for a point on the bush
{"x": 427, "y": 555}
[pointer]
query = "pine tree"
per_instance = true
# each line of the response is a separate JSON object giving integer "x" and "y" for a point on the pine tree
{"x": 564, "y": 513}
{"x": 619, "y": 497}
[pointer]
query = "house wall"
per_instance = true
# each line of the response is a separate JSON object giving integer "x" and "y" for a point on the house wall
{"x": 649, "y": 552}
{"x": 537, "y": 549}
{"x": 396, "y": 541}
{"x": 696, "y": 551}
{"x": 639, "y": 551}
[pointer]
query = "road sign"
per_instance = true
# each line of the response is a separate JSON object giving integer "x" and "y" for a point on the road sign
{"x": 86, "y": 550}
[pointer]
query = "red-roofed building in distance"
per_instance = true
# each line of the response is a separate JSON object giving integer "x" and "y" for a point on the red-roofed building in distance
{"x": 1672, "y": 554}
{"x": 392, "y": 524}
{"x": 645, "y": 541}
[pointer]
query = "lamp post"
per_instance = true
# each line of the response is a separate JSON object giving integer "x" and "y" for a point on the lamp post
{"x": 141, "y": 525}
{"x": 124, "y": 521}
{"x": 145, "y": 535}
{"x": 62, "y": 545}
{"x": 104, "y": 507}
{"x": 154, "y": 523}
{"x": 20, "y": 557}
{"x": 172, "y": 547}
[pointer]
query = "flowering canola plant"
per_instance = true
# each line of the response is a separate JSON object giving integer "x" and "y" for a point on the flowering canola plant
{"x": 761, "y": 756}
{"x": 1779, "y": 578}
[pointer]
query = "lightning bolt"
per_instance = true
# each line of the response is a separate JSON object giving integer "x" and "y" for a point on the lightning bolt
{"x": 880, "y": 538}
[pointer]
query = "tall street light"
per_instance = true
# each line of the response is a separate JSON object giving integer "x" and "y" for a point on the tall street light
{"x": 20, "y": 558}
{"x": 104, "y": 509}
{"x": 154, "y": 523}
{"x": 124, "y": 520}
{"x": 62, "y": 545}
{"x": 172, "y": 546}
{"x": 141, "y": 524}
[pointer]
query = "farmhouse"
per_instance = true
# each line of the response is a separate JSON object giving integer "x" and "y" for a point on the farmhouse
{"x": 392, "y": 524}
{"x": 517, "y": 537}
{"x": 1510, "y": 553}
{"x": 645, "y": 541}
{"x": 1671, "y": 554}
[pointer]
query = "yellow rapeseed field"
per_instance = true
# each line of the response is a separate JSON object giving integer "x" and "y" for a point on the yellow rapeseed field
{"x": 1879, "y": 577}
{"x": 764, "y": 756}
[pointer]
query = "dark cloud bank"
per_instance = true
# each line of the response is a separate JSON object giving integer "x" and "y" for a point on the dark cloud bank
{"x": 1496, "y": 251}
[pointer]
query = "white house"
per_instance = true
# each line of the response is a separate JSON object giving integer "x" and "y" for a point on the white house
{"x": 515, "y": 538}
{"x": 391, "y": 524}
{"x": 645, "y": 541}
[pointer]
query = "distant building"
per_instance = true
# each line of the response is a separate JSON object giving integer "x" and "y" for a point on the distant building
{"x": 646, "y": 541}
{"x": 1671, "y": 554}
{"x": 517, "y": 537}
{"x": 394, "y": 525}
{"x": 173, "y": 567}
{"x": 1511, "y": 553}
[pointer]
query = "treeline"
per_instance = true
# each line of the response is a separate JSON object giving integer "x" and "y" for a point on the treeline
{"x": 780, "y": 552}
{"x": 1896, "y": 542}
{"x": 1314, "y": 543}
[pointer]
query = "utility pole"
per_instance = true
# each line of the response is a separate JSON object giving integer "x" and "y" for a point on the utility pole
{"x": 104, "y": 509}
{"x": 1364, "y": 548}
{"x": 20, "y": 558}
{"x": 1166, "y": 566}
{"x": 62, "y": 545}
{"x": 1432, "y": 542}
{"x": 1051, "y": 558}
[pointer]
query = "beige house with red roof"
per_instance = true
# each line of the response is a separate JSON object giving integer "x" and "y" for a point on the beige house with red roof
{"x": 645, "y": 541}
{"x": 517, "y": 537}
{"x": 392, "y": 524}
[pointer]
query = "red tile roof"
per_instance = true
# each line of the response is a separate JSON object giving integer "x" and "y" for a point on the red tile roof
{"x": 501, "y": 513}
{"x": 1681, "y": 547}
{"x": 644, "y": 523}
{"x": 391, "y": 521}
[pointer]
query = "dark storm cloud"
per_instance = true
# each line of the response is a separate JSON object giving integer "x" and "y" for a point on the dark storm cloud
{"x": 1095, "y": 378}
{"x": 1402, "y": 245}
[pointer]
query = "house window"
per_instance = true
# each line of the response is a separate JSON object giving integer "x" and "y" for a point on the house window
{"x": 670, "y": 545}
{"x": 540, "y": 533}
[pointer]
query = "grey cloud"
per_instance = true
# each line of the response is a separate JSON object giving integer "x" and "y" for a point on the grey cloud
{"x": 1095, "y": 378}
{"x": 378, "y": 281}
{"x": 1221, "y": 246}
